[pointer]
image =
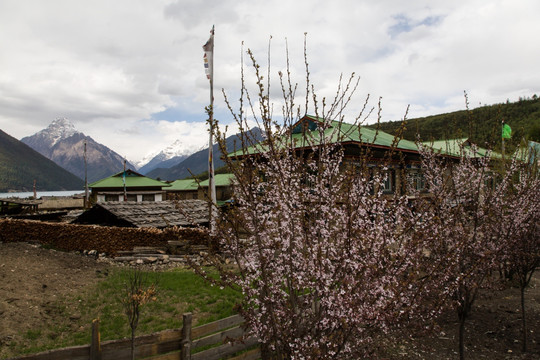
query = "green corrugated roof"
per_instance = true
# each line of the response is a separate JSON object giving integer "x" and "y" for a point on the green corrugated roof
{"x": 452, "y": 147}
{"x": 345, "y": 133}
{"x": 186, "y": 185}
{"x": 337, "y": 132}
{"x": 133, "y": 179}
{"x": 366, "y": 135}
{"x": 220, "y": 180}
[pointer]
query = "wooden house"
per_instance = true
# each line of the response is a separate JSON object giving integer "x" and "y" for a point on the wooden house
{"x": 382, "y": 151}
{"x": 399, "y": 159}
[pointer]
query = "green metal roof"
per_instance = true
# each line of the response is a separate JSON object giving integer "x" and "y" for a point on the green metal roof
{"x": 133, "y": 179}
{"x": 336, "y": 133}
{"x": 339, "y": 132}
{"x": 183, "y": 185}
{"x": 220, "y": 180}
{"x": 453, "y": 147}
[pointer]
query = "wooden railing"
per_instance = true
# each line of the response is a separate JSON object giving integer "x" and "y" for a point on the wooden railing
{"x": 177, "y": 344}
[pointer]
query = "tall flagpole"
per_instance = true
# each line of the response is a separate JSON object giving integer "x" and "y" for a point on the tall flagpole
{"x": 209, "y": 69}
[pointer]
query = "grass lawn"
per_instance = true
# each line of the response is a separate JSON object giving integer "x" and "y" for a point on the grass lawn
{"x": 178, "y": 291}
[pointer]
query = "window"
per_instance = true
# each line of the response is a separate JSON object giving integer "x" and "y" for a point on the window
{"x": 131, "y": 197}
{"x": 111, "y": 197}
{"x": 416, "y": 181}
{"x": 149, "y": 197}
{"x": 389, "y": 181}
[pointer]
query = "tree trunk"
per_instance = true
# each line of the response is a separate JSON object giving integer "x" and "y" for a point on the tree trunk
{"x": 524, "y": 320}
{"x": 132, "y": 344}
{"x": 461, "y": 335}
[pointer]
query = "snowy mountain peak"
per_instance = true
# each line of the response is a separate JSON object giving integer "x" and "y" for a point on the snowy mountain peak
{"x": 145, "y": 160}
{"x": 170, "y": 156}
{"x": 59, "y": 129}
{"x": 177, "y": 148}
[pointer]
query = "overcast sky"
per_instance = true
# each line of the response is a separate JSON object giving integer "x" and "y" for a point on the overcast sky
{"x": 130, "y": 74}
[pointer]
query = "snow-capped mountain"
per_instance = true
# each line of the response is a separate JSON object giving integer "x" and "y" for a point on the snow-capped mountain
{"x": 145, "y": 160}
{"x": 63, "y": 144}
{"x": 166, "y": 158}
{"x": 44, "y": 140}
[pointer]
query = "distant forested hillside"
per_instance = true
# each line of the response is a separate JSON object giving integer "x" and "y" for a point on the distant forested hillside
{"x": 20, "y": 165}
{"x": 482, "y": 125}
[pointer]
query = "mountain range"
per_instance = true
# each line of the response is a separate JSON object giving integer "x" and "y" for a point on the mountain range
{"x": 63, "y": 144}
{"x": 20, "y": 165}
{"x": 198, "y": 162}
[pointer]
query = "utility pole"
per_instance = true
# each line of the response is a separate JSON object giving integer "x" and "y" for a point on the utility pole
{"x": 86, "y": 204}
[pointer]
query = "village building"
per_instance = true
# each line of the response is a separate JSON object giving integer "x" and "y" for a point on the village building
{"x": 183, "y": 190}
{"x": 400, "y": 160}
{"x": 397, "y": 158}
{"x": 224, "y": 188}
{"x": 160, "y": 214}
{"x": 192, "y": 189}
{"x": 127, "y": 186}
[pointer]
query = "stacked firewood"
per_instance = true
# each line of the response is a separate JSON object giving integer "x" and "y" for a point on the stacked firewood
{"x": 102, "y": 239}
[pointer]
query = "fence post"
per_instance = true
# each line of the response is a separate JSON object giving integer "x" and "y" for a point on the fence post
{"x": 185, "y": 343}
{"x": 95, "y": 346}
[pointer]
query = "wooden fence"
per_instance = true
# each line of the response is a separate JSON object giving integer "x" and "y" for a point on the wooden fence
{"x": 177, "y": 344}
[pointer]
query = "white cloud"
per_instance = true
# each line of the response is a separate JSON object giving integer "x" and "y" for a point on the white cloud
{"x": 129, "y": 72}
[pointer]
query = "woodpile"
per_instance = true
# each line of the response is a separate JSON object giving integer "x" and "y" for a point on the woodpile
{"x": 109, "y": 240}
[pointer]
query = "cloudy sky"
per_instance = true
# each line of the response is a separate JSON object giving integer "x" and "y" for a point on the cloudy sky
{"x": 130, "y": 73}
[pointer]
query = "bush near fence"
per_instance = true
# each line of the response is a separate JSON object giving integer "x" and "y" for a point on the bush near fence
{"x": 110, "y": 240}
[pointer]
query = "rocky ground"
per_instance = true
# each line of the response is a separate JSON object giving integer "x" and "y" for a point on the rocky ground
{"x": 32, "y": 278}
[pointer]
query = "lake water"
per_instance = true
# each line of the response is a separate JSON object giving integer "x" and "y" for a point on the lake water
{"x": 24, "y": 195}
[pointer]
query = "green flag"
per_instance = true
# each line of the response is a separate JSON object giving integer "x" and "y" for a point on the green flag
{"x": 506, "y": 131}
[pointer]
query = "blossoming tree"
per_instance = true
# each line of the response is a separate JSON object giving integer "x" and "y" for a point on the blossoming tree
{"x": 518, "y": 228}
{"x": 478, "y": 218}
{"x": 325, "y": 260}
